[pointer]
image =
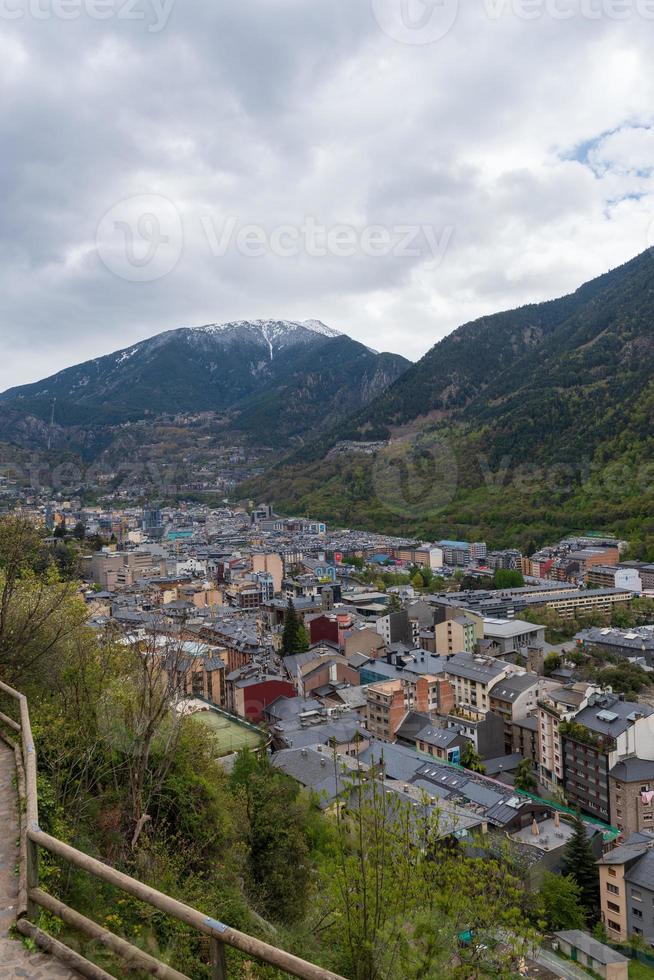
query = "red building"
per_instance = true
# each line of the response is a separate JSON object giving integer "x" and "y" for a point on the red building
{"x": 249, "y": 697}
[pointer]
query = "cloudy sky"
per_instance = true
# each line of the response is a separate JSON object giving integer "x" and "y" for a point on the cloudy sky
{"x": 391, "y": 167}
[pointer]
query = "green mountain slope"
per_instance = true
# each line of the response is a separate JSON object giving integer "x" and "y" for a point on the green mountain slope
{"x": 514, "y": 425}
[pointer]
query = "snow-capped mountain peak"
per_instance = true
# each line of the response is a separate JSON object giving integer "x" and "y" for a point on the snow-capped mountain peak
{"x": 317, "y": 326}
{"x": 271, "y": 328}
{"x": 273, "y": 334}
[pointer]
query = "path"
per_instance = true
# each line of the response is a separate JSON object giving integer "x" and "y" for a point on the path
{"x": 16, "y": 962}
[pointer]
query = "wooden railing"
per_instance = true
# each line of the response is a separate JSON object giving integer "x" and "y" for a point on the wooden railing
{"x": 31, "y": 897}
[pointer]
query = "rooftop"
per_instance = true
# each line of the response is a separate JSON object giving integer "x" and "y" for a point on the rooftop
{"x": 633, "y": 770}
{"x": 587, "y": 944}
{"x": 610, "y": 716}
{"x": 475, "y": 668}
{"x": 509, "y": 688}
{"x": 508, "y": 628}
{"x": 549, "y": 837}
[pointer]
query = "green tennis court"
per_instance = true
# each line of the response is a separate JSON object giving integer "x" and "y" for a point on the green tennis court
{"x": 230, "y": 735}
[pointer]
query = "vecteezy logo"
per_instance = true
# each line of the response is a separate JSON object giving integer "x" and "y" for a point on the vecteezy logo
{"x": 416, "y": 21}
{"x": 415, "y": 478}
{"x": 141, "y": 238}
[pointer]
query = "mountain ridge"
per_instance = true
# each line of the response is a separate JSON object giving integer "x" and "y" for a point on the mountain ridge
{"x": 213, "y": 368}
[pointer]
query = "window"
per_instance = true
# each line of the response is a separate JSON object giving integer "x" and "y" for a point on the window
{"x": 613, "y": 907}
{"x": 613, "y": 889}
{"x": 612, "y": 872}
{"x": 638, "y": 913}
{"x": 636, "y": 895}
{"x": 613, "y": 925}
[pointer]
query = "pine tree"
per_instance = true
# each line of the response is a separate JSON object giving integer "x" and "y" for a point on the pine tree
{"x": 580, "y": 863}
{"x": 294, "y": 636}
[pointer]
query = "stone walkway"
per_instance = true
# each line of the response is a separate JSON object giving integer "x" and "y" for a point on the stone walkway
{"x": 15, "y": 960}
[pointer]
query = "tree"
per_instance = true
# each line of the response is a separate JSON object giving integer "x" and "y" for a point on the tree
{"x": 559, "y": 902}
{"x": 508, "y": 578}
{"x": 418, "y": 581}
{"x": 139, "y": 721}
{"x": 401, "y": 892}
{"x": 524, "y": 777}
{"x": 551, "y": 663}
{"x": 79, "y": 531}
{"x": 394, "y": 604}
{"x": 470, "y": 759}
{"x": 579, "y": 863}
{"x": 278, "y": 856}
{"x": 294, "y": 635}
{"x": 38, "y": 612}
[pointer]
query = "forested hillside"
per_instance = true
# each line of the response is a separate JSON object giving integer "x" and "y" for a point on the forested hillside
{"x": 542, "y": 418}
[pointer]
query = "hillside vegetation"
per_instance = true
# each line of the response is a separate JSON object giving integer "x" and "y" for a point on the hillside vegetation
{"x": 521, "y": 425}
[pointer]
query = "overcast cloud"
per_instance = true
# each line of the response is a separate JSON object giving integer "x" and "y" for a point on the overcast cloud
{"x": 504, "y": 162}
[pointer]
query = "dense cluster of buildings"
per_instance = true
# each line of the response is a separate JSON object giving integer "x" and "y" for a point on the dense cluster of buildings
{"x": 411, "y": 683}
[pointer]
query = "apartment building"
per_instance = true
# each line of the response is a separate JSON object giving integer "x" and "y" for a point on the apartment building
{"x": 121, "y": 569}
{"x": 483, "y": 728}
{"x": 249, "y": 696}
{"x": 512, "y": 635}
{"x": 627, "y": 889}
{"x": 598, "y": 737}
{"x": 645, "y": 571}
{"x": 615, "y": 576}
{"x": 389, "y": 702}
{"x": 272, "y": 564}
{"x": 516, "y": 697}
{"x": 631, "y": 795}
{"x": 363, "y": 640}
{"x": 524, "y": 738}
{"x": 456, "y": 635}
{"x": 398, "y": 627}
{"x": 558, "y": 705}
{"x": 576, "y": 602}
{"x": 473, "y": 676}
{"x": 460, "y": 554}
{"x": 588, "y": 558}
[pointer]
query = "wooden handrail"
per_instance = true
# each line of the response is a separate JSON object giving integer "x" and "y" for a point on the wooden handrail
{"x": 221, "y": 934}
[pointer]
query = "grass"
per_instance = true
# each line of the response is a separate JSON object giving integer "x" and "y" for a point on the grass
{"x": 231, "y": 736}
{"x": 640, "y": 971}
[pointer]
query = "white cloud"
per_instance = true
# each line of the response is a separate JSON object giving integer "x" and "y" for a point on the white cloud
{"x": 529, "y": 139}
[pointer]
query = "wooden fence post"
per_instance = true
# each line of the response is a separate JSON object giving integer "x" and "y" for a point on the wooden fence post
{"x": 218, "y": 960}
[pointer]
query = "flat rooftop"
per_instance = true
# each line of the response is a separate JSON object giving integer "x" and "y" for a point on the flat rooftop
{"x": 550, "y": 837}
